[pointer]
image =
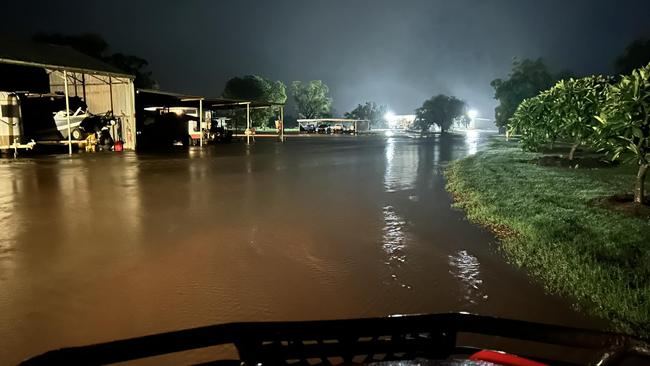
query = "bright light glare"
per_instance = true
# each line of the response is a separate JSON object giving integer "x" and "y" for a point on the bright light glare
{"x": 389, "y": 133}
{"x": 472, "y": 113}
{"x": 389, "y": 116}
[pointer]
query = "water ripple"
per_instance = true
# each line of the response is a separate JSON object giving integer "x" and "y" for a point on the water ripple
{"x": 466, "y": 268}
{"x": 401, "y": 167}
{"x": 394, "y": 242}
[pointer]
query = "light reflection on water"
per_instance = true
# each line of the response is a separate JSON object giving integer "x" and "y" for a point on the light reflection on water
{"x": 466, "y": 268}
{"x": 401, "y": 167}
{"x": 472, "y": 140}
{"x": 394, "y": 242}
{"x": 8, "y": 221}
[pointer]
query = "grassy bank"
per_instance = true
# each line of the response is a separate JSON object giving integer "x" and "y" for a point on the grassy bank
{"x": 549, "y": 222}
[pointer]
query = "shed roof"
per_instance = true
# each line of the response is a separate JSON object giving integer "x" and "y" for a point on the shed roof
{"x": 208, "y": 102}
{"x": 29, "y": 53}
{"x": 317, "y": 120}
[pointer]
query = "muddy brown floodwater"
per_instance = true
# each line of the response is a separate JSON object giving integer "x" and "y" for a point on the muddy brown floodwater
{"x": 103, "y": 246}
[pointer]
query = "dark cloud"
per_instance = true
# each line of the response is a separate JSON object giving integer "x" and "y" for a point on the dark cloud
{"x": 393, "y": 52}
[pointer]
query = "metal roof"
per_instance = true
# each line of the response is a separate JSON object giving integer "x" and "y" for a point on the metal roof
{"x": 316, "y": 120}
{"x": 210, "y": 102}
{"x": 29, "y": 53}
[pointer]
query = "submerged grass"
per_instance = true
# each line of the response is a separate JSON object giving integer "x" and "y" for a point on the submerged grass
{"x": 549, "y": 224}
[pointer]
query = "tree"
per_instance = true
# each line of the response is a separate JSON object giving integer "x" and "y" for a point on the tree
{"x": 636, "y": 55}
{"x": 575, "y": 105}
{"x": 533, "y": 121}
{"x": 567, "y": 112}
{"x": 95, "y": 46}
{"x": 259, "y": 89}
{"x": 90, "y": 44}
{"x": 369, "y": 111}
{"x": 441, "y": 110}
{"x": 312, "y": 100}
{"x": 526, "y": 79}
{"x": 135, "y": 66}
{"x": 625, "y": 123}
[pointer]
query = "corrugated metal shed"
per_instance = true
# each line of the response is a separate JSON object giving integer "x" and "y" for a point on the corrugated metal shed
{"x": 103, "y": 94}
{"x": 103, "y": 87}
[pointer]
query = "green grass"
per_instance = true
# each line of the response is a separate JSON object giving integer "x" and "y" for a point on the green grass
{"x": 578, "y": 249}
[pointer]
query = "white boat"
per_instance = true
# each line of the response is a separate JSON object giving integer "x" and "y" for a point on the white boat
{"x": 61, "y": 120}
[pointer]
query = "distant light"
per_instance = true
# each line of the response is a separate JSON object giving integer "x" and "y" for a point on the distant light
{"x": 389, "y": 116}
{"x": 472, "y": 113}
{"x": 389, "y": 133}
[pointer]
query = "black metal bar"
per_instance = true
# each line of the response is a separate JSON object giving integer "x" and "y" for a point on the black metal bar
{"x": 420, "y": 335}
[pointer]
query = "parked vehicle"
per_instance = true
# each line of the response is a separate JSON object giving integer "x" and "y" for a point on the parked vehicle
{"x": 308, "y": 129}
{"x": 323, "y": 129}
{"x": 349, "y": 129}
{"x": 218, "y": 131}
{"x": 156, "y": 130}
{"x": 337, "y": 129}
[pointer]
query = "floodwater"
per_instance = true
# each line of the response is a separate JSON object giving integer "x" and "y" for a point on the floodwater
{"x": 103, "y": 246}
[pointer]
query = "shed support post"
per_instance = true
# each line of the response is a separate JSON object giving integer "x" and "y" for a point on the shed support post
{"x": 201, "y": 122}
{"x": 67, "y": 110}
{"x": 248, "y": 123}
{"x": 110, "y": 92}
{"x": 83, "y": 86}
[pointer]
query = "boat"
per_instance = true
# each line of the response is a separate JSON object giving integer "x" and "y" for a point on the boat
{"x": 76, "y": 118}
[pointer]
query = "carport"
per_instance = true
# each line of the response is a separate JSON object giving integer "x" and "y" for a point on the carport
{"x": 103, "y": 88}
{"x": 147, "y": 98}
{"x": 328, "y": 121}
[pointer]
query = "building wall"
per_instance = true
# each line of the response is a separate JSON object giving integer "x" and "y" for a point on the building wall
{"x": 103, "y": 94}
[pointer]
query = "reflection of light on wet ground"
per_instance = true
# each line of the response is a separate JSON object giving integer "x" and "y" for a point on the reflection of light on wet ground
{"x": 472, "y": 140}
{"x": 466, "y": 268}
{"x": 401, "y": 167}
{"x": 8, "y": 220}
{"x": 394, "y": 241}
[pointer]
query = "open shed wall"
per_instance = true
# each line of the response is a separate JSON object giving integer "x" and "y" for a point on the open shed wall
{"x": 102, "y": 94}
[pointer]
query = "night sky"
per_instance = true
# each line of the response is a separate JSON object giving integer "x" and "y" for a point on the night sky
{"x": 393, "y": 52}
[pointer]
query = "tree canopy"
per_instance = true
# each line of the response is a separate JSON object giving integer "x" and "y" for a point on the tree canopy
{"x": 526, "y": 79}
{"x": 256, "y": 88}
{"x": 592, "y": 111}
{"x": 95, "y": 46}
{"x": 312, "y": 99}
{"x": 441, "y": 110}
{"x": 567, "y": 112}
{"x": 625, "y": 123}
{"x": 370, "y": 111}
{"x": 636, "y": 55}
{"x": 576, "y": 103}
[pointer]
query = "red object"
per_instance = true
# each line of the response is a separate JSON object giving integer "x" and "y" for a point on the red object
{"x": 118, "y": 146}
{"x": 504, "y": 359}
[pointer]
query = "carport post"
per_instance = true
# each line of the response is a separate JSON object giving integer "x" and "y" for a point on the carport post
{"x": 67, "y": 110}
{"x": 248, "y": 123}
{"x": 201, "y": 122}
